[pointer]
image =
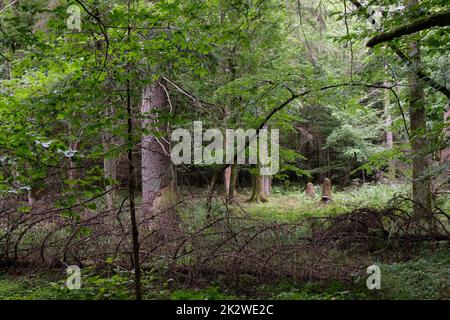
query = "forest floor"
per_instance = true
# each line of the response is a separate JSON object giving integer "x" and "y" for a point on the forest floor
{"x": 424, "y": 274}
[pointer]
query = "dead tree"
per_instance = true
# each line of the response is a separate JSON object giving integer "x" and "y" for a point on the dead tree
{"x": 310, "y": 193}
{"x": 326, "y": 190}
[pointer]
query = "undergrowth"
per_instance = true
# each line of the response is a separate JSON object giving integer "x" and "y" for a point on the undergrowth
{"x": 426, "y": 276}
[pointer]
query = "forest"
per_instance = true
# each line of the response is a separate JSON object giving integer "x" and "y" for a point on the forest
{"x": 224, "y": 150}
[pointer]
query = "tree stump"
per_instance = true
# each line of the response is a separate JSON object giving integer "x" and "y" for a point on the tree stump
{"x": 326, "y": 190}
{"x": 310, "y": 193}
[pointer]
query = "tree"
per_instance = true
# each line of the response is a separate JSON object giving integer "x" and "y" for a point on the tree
{"x": 418, "y": 121}
{"x": 158, "y": 188}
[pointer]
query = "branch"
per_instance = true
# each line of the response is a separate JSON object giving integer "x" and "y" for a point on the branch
{"x": 8, "y": 5}
{"x": 444, "y": 90}
{"x": 407, "y": 61}
{"x": 103, "y": 30}
{"x": 435, "y": 20}
{"x": 197, "y": 101}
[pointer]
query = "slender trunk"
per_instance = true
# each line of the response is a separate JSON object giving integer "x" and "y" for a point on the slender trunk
{"x": 445, "y": 153}
{"x": 110, "y": 173}
{"x": 233, "y": 183}
{"x": 227, "y": 180}
{"x": 388, "y": 121}
{"x": 130, "y": 142}
{"x": 230, "y": 176}
{"x": 134, "y": 225}
{"x": 31, "y": 193}
{"x": 72, "y": 173}
{"x": 389, "y": 134}
{"x": 211, "y": 188}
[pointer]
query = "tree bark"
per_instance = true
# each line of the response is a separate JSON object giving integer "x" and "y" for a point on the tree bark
{"x": 267, "y": 183}
{"x": 326, "y": 190}
{"x": 158, "y": 189}
{"x": 258, "y": 194}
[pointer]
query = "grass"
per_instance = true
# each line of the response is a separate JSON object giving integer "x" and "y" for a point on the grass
{"x": 291, "y": 205}
{"x": 424, "y": 277}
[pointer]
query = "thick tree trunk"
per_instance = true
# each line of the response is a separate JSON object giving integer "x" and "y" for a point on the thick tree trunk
{"x": 417, "y": 111}
{"x": 258, "y": 194}
{"x": 158, "y": 189}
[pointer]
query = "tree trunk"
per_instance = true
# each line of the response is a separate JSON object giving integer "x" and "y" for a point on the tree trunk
{"x": 131, "y": 196}
{"x": 326, "y": 190}
{"x": 417, "y": 111}
{"x": 258, "y": 194}
{"x": 110, "y": 173}
{"x": 72, "y": 172}
{"x": 261, "y": 185}
{"x": 388, "y": 122}
{"x": 310, "y": 192}
{"x": 389, "y": 134}
{"x": 445, "y": 153}
{"x": 158, "y": 189}
{"x": 230, "y": 182}
{"x": 227, "y": 181}
{"x": 267, "y": 185}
